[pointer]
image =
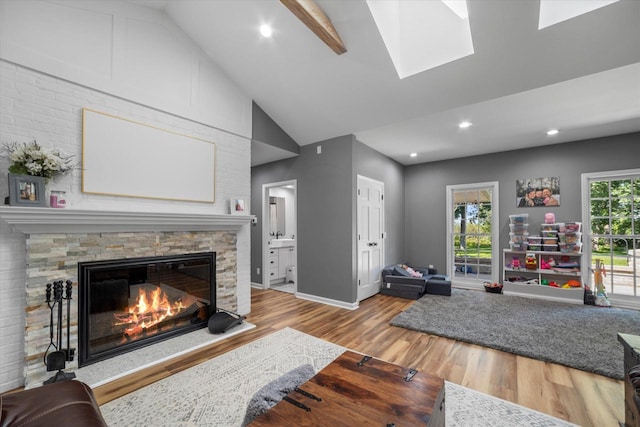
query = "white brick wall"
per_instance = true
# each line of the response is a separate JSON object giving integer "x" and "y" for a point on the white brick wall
{"x": 37, "y": 106}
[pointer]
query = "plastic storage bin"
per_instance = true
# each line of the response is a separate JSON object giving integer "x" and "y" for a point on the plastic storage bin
{"x": 522, "y": 246}
{"x": 518, "y": 228}
{"x": 569, "y": 237}
{"x": 573, "y": 226}
{"x": 518, "y": 238}
{"x": 519, "y": 219}
{"x": 570, "y": 248}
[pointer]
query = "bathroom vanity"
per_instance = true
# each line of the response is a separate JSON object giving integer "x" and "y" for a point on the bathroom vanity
{"x": 281, "y": 256}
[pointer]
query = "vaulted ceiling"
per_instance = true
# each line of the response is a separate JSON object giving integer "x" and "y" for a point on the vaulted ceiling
{"x": 580, "y": 76}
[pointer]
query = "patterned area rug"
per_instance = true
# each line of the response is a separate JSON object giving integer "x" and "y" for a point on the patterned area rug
{"x": 584, "y": 337}
{"x": 217, "y": 392}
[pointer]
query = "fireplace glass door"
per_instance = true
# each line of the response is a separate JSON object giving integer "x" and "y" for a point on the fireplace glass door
{"x": 128, "y": 303}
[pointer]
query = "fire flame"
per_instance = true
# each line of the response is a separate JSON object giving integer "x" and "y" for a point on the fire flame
{"x": 152, "y": 307}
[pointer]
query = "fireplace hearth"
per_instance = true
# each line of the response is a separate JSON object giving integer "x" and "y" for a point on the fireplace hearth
{"x": 128, "y": 303}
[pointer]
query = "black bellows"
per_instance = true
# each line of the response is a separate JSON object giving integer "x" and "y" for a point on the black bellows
{"x": 222, "y": 320}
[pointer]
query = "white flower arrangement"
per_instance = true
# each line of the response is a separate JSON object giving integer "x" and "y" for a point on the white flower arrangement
{"x": 30, "y": 158}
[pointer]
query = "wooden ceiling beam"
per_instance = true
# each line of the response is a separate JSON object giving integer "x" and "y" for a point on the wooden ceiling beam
{"x": 317, "y": 21}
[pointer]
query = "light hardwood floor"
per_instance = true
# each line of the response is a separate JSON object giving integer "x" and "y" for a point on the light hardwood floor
{"x": 576, "y": 396}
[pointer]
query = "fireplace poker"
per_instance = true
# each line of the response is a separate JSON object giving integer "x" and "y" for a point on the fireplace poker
{"x": 51, "y": 306}
{"x": 57, "y": 293}
{"x": 69, "y": 352}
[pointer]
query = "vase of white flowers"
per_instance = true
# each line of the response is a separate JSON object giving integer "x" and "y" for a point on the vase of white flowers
{"x": 31, "y": 167}
{"x": 30, "y": 158}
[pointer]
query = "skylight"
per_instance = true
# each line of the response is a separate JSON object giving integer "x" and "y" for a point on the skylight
{"x": 420, "y": 35}
{"x": 555, "y": 11}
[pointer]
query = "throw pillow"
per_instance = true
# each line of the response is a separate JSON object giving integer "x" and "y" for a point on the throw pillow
{"x": 400, "y": 271}
{"x": 269, "y": 395}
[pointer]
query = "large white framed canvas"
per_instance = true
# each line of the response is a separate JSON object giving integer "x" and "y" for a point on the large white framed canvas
{"x": 121, "y": 157}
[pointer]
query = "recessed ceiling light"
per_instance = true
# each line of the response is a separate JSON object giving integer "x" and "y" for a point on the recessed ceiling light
{"x": 552, "y": 132}
{"x": 464, "y": 125}
{"x": 266, "y": 30}
{"x": 413, "y": 155}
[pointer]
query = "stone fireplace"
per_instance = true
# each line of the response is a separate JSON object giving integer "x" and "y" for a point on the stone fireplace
{"x": 57, "y": 240}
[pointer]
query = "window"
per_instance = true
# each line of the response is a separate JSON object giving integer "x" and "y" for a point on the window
{"x": 472, "y": 250}
{"x": 612, "y": 231}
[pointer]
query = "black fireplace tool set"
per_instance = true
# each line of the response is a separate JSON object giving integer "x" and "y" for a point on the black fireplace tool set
{"x": 56, "y": 360}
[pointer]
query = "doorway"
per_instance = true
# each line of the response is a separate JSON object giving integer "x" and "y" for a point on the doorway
{"x": 611, "y": 234}
{"x": 370, "y": 239}
{"x": 473, "y": 235}
{"x": 279, "y": 236}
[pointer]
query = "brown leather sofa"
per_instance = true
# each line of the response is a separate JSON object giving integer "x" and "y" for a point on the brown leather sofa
{"x": 65, "y": 403}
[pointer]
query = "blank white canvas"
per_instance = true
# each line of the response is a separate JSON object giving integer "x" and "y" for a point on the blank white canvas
{"x": 124, "y": 158}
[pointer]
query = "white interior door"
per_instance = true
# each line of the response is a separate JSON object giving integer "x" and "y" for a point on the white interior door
{"x": 370, "y": 207}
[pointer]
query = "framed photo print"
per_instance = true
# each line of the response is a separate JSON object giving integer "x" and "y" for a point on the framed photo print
{"x": 27, "y": 190}
{"x": 538, "y": 192}
{"x": 238, "y": 207}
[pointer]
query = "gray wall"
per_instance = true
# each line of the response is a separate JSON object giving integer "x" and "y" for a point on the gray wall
{"x": 425, "y": 187}
{"x": 414, "y": 200}
{"x": 374, "y": 165}
{"x": 265, "y": 130}
{"x": 326, "y": 212}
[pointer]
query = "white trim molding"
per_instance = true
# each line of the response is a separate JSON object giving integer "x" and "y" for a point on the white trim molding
{"x": 495, "y": 234}
{"x": 328, "y": 301}
{"x": 31, "y": 220}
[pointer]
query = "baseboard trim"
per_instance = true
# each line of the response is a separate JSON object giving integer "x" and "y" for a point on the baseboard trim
{"x": 328, "y": 301}
{"x": 544, "y": 297}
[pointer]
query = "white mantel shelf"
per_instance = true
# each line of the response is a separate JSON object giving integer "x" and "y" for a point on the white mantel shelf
{"x": 30, "y": 220}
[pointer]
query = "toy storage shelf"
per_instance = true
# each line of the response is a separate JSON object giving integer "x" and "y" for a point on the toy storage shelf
{"x": 530, "y": 290}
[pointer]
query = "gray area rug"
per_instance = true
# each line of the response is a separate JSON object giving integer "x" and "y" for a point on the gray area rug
{"x": 579, "y": 336}
{"x": 217, "y": 392}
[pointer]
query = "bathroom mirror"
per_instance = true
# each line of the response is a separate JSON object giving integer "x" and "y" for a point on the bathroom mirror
{"x": 276, "y": 216}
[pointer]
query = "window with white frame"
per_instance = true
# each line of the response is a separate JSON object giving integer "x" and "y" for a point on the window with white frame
{"x": 472, "y": 250}
{"x": 612, "y": 215}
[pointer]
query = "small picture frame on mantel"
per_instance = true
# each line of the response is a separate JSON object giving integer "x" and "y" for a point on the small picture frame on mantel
{"x": 27, "y": 190}
{"x": 237, "y": 206}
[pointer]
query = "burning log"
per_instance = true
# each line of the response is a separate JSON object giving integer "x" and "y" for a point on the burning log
{"x": 152, "y": 307}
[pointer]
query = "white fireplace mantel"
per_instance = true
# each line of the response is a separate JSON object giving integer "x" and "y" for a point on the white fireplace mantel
{"x": 31, "y": 220}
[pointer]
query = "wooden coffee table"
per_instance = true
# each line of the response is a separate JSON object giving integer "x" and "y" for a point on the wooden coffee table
{"x": 352, "y": 391}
